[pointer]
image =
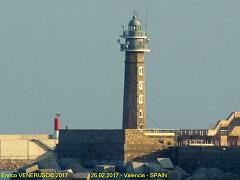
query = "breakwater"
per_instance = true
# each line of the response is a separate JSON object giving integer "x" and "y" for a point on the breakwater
{"x": 191, "y": 158}
{"x": 11, "y": 164}
{"x": 18, "y": 150}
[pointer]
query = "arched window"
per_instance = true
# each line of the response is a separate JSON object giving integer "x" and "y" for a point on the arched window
{"x": 141, "y": 126}
{"x": 141, "y": 99}
{"x": 131, "y": 28}
{"x": 140, "y": 115}
{"x": 140, "y": 70}
{"x": 140, "y": 85}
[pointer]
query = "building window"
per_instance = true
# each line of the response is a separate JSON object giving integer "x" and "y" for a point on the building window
{"x": 141, "y": 126}
{"x": 141, "y": 97}
{"x": 140, "y": 70}
{"x": 140, "y": 56}
{"x": 140, "y": 113}
{"x": 140, "y": 85}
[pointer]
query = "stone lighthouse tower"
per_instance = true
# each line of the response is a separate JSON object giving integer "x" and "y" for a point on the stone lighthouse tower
{"x": 135, "y": 45}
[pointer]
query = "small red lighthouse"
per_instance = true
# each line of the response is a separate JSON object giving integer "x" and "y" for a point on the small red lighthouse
{"x": 57, "y": 125}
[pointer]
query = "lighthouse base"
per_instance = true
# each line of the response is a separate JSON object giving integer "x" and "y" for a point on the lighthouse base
{"x": 107, "y": 146}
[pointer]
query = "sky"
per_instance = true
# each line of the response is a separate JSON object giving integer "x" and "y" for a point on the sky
{"x": 63, "y": 56}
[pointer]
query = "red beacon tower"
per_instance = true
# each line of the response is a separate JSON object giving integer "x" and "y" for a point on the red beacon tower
{"x": 56, "y": 125}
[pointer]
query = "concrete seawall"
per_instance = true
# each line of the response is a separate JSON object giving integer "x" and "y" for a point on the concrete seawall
{"x": 192, "y": 158}
{"x": 113, "y": 146}
{"x": 17, "y": 149}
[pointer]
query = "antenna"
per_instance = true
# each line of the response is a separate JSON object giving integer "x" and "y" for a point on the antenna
{"x": 122, "y": 27}
{"x": 146, "y": 15}
{"x": 135, "y": 13}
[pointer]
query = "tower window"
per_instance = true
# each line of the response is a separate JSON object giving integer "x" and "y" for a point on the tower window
{"x": 140, "y": 85}
{"x": 140, "y": 70}
{"x": 140, "y": 113}
{"x": 141, "y": 126}
{"x": 141, "y": 98}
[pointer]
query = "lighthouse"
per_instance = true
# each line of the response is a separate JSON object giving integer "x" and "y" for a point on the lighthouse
{"x": 136, "y": 43}
{"x": 56, "y": 125}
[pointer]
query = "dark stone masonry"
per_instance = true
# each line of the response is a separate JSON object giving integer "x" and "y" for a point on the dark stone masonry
{"x": 112, "y": 146}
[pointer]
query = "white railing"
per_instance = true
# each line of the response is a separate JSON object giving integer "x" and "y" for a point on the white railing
{"x": 223, "y": 123}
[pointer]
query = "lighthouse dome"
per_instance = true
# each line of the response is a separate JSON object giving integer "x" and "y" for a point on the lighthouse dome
{"x": 134, "y": 21}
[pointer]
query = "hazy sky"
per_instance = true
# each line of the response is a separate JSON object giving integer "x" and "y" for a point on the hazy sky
{"x": 63, "y": 56}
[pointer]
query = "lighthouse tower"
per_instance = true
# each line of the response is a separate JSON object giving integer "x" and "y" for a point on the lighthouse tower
{"x": 135, "y": 45}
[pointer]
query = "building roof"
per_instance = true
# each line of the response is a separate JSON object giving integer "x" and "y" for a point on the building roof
{"x": 134, "y": 21}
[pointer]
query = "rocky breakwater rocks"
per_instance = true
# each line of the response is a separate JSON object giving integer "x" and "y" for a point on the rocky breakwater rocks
{"x": 13, "y": 164}
{"x": 76, "y": 170}
{"x": 177, "y": 173}
{"x": 66, "y": 169}
{"x": 160, "y": 169}
{"x": 212, "y": 174}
